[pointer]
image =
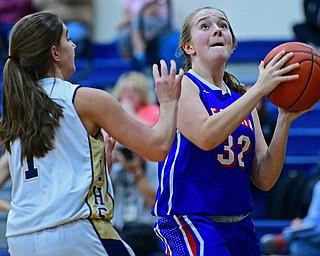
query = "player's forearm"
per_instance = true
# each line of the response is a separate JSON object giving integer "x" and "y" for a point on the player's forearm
{"x": 271, "y": 164}
{"x": 219, "y": 126}
{"x": 4, "y": 169}
{"x": 165, "y": 129}
{"x": 4, "y": 205}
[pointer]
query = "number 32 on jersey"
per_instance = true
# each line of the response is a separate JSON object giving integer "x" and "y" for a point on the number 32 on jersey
{"x": 229, "y": 158}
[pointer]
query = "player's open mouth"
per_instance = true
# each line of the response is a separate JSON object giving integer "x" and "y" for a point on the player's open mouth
{"x": 216, "y": 44}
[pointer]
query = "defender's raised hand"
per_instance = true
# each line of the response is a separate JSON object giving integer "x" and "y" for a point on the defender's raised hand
{"x": 167, "y": 85}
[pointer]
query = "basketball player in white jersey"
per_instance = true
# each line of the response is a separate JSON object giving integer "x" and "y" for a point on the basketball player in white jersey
{"x": 62, "y": 199}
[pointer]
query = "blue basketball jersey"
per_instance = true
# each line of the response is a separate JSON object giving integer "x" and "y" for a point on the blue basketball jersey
{"x": 214, "y": 182}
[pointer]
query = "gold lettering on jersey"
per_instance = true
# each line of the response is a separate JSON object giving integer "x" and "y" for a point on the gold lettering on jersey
{"x": 98, "y": 199}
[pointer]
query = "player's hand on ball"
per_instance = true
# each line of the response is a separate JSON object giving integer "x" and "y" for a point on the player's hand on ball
{"x": 292, "y": 115}
{"x": 297, "y": 94}
{"x": 274, "y": 73}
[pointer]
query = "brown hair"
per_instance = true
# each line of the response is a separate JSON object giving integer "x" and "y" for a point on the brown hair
{"x": 185, "y": 37}
{"x": 28, "y": 113}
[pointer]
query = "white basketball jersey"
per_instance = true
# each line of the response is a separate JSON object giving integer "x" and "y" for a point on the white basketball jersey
{"x": 69, "y": 183}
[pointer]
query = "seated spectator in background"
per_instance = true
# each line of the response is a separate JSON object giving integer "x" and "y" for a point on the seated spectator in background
{"x": 10, "y": 12}
{"x": 135, "y": 179}
{"x": 302, "y": 237}
{"x": 135, "y": 182}
{"x": 133, "y": 91}
{"x": 309, "y": 31}
{"x": 143, "y": 21}
{"x": 78, "y": 17}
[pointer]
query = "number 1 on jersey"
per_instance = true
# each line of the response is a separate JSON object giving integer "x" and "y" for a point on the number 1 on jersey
{"x": 32, "y": 171}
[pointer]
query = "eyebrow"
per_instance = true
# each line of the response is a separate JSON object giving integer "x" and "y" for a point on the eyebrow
{"x": 207, "y": 16}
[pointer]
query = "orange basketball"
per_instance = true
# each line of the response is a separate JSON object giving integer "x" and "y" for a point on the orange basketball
{"x": 304, "y": 92}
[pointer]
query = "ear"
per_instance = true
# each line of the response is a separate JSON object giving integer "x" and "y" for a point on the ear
{"x": 188, "y": 48}
{"x": 55, "y": 54}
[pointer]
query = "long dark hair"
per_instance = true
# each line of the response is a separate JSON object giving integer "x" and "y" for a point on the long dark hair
{"x": 185, "y": 37}
{"x": 28, "y": 113}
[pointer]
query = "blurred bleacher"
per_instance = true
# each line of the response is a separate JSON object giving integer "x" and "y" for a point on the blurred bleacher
{"x": 303, "y": 148}
{"x": 104, "y": 66}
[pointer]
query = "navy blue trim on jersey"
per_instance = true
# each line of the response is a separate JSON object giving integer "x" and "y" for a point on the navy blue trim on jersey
{"x": 114, "y": 247}
{"x": 75, "y": 91}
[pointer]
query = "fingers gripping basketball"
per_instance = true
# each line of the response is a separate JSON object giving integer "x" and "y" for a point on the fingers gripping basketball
{"x": 304, "y": 92}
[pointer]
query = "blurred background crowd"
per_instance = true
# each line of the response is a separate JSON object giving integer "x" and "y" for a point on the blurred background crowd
{"x": 117, "y": 42}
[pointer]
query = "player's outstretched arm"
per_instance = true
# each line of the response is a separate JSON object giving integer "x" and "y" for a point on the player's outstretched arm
{"x": 4, "y": 177}
{"x": 98, "y": 109}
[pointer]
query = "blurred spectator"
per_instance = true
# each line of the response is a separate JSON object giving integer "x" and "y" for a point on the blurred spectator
{"x": 10, "y": 12}
{"x": 134, "y": 178}
{"x": 135, "y": 182}
{"x": 78, "y": 17}
{"x": 309, "y": 31}
{"x": 302, "y": 237}
{"x": 133, "y": 91}
{"x": 143, "y": 21}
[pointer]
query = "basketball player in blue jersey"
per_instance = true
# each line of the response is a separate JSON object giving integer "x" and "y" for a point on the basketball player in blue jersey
{"x": 62, "y": 199}
{"x": 204, "y": 198}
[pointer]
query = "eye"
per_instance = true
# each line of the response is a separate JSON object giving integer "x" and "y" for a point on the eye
{"x": 204, "y": 26}
{"x": 223, "y": 25}
{"x": 69, "y": 39}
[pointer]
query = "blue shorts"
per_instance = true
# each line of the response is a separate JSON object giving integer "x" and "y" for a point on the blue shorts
{"x": 201, "y": 236}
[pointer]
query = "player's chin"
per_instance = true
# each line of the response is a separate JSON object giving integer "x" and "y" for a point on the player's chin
{"x": 70, "y": 73}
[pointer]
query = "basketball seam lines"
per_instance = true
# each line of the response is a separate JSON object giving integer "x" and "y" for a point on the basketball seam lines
{"x": 307, "y": 83}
